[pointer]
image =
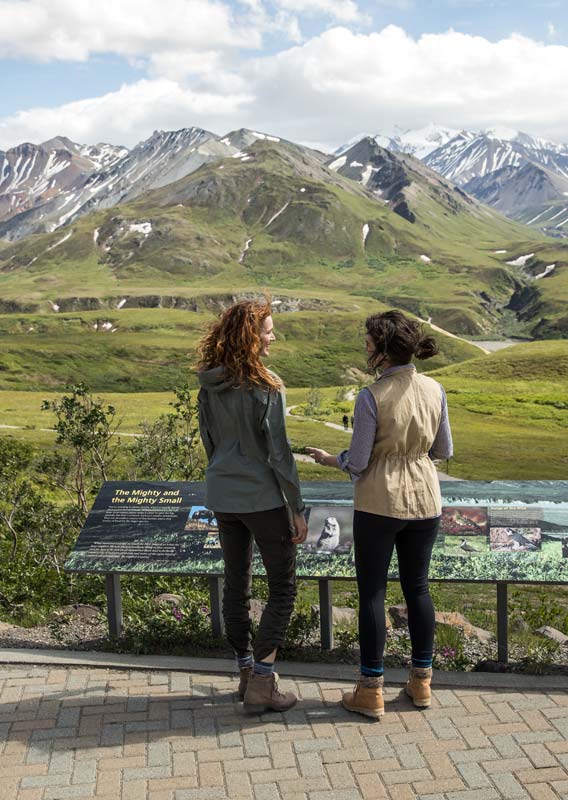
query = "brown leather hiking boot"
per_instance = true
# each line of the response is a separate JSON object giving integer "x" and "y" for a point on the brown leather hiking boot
{"x": 262, "y": 695}
{"x": 418, "y": 686}
{"x": 245, "y": 673}
{"x": 366, "y": 698}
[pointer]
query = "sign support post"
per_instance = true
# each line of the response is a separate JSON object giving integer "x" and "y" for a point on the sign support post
{"x": 326, "y": 614}
{"x": 502, "y": 623}
{"x": 114, "y": 604}
{"x": 215, "y": 599}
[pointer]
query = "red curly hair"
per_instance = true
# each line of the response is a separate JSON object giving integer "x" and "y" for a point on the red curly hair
{"x": 233, "y": 342}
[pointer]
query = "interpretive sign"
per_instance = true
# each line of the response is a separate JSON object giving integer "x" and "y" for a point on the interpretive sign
{"x": 140, "y": 527}
{"x": 512, "y": 531}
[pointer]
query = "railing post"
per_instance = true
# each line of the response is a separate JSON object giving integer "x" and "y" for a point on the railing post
{"x": 502, "y": 623}
{"x": 215, "y": 600}
{"x": 114, "y": 604}
{"x": 326, "y": 614}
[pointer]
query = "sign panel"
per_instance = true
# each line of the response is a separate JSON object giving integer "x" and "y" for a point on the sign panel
{"x": 515, "y": 531}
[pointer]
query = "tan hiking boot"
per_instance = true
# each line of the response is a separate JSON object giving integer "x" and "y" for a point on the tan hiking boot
{"x": 244, "y": 677}
{"x": 418, "y": 686}
{"x": 262, "y": 694}
{"x": 366, "y": 698}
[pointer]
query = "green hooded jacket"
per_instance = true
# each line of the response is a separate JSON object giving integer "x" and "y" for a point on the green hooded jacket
{"x": 251, "y": 466}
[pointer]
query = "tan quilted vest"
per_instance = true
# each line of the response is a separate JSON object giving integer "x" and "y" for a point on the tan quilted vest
{"x": 400, "y": 480}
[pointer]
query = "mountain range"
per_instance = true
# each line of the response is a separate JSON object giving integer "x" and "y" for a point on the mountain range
{"x": 188, "y": 216}
{"x": 521, "y": 176}
{"x": 42, "y": 187}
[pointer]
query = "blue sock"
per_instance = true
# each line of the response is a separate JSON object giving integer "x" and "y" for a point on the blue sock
{"x": 263, "y": 668}
{"x": 422, "y": 663}
{"x": 245, "y": 661}
{"x": 372, "y": 672}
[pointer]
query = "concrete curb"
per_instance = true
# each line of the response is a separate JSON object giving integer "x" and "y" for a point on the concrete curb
{"x": 293, "y": 669}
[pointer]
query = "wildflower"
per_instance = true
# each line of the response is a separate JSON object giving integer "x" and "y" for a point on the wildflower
{"x": 177, "y": 613}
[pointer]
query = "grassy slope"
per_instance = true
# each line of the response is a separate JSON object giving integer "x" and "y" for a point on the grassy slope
{"x": 509, "y": 415}
{"x": 154, "y": 349}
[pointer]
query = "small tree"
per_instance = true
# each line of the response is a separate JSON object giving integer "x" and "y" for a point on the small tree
{"x": 35, "y": 532}
{"x": 313, "y": 402}
{"x": 88, "y": 428}
{"x": 170, "y": 446}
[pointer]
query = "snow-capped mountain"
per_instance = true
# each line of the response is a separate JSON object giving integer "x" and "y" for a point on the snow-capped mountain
{"x": 397, "y": 178}
{"x": 43, "y": 187}
{"x": 474, "y": 155}
{"x": 75, "y": 179}
{"x": 418, "y": 143}
{"x": 32, "y": 175}
{"x": 522, "y": 176}
{"x": 512, "y": 189}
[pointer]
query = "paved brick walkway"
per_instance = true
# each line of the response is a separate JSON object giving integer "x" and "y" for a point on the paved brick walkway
{"x": 120, "y": 735}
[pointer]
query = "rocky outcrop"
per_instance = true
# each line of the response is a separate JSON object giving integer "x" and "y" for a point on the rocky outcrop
{"x": 552, "y": 633}
{"x": 399, "y": 616}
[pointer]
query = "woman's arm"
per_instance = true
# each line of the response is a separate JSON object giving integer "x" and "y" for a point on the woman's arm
{"x": 442, "y": 446}
{"x": 280, "y": 454}
{"x": 204, "y": 431}
{"x": 356, "y": 459}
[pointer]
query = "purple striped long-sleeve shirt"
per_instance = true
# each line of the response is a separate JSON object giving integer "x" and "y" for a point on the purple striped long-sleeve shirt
{"x": 356, "y": 459}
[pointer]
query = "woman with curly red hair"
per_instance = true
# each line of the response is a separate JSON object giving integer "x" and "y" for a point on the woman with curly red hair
{"x": 253, "y": 488}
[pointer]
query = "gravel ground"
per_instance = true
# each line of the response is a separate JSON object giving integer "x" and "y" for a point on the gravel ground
{"x": 75, "y": 634}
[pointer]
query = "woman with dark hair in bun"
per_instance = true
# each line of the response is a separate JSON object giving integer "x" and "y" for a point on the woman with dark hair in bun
{"x": 401, "y": 424}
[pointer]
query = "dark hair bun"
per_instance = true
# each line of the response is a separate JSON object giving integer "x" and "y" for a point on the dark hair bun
{"x": 426, "y": 347}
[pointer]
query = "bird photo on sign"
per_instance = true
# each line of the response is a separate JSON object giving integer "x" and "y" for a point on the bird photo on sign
{"x": 463, "y": 531}
{"x": 515, "y": 539}
{"x": 330, "y": 530}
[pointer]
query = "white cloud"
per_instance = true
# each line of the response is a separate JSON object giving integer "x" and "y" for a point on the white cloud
{"x": 551, "y": 30}
{"x": 344, "y": 82}
{"x": 74, "y": 29}
{"x": 327, "y": 89}
{"x": 125, "y": 116}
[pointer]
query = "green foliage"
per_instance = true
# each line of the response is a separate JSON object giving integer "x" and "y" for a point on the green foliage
{"x": 539, "y": 655}
{"x": 449, "y": 648}
{"x": 88, "y": 429}
{"x": 169, "y": 447}
{"x": 35, "y": 533}
{"x": 313, "y": 403}
{"x": 546, "y": 609}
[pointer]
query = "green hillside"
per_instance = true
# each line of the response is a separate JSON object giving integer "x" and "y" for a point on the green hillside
{"x": 278, "y": 218}
{"x": 509, "y": 412}
{"x": 154, "y": 349}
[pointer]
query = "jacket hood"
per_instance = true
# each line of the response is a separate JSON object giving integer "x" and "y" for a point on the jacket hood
{"x": 214, "y": 380}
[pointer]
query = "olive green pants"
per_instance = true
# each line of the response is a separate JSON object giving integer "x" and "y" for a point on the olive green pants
{"x": 271, "y": 532}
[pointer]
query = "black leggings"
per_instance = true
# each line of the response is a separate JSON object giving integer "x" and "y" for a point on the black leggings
{"x": 375, "y": 538}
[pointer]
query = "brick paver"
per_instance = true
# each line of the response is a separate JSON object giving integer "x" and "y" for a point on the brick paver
{"x": 117, "y": 735}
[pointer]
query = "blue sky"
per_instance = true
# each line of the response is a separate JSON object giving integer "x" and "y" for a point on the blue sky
{"x": 315, "y": 70}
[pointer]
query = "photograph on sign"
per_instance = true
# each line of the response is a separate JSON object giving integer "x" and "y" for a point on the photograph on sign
{"x": 330, "y": 530}
{"x": 461, "y": 521}
{"x": 200, "y": 518}
{"x": 524, "y": 540}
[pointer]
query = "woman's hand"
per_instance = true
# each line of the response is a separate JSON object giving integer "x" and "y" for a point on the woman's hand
{"x": 321, "y": 456}
{"x": 301, "y": 528}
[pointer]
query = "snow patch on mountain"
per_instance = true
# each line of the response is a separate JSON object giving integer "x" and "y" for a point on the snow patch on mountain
{"x": 547, "y": 271}
{"x": 338, "y": 163}
{"x": 520, "y": 261}
{"x": 242, "y": 255}
{"x": 64, "y": 239}
{"x": 274, "y": 216}
{"x": 141, "y": 227}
